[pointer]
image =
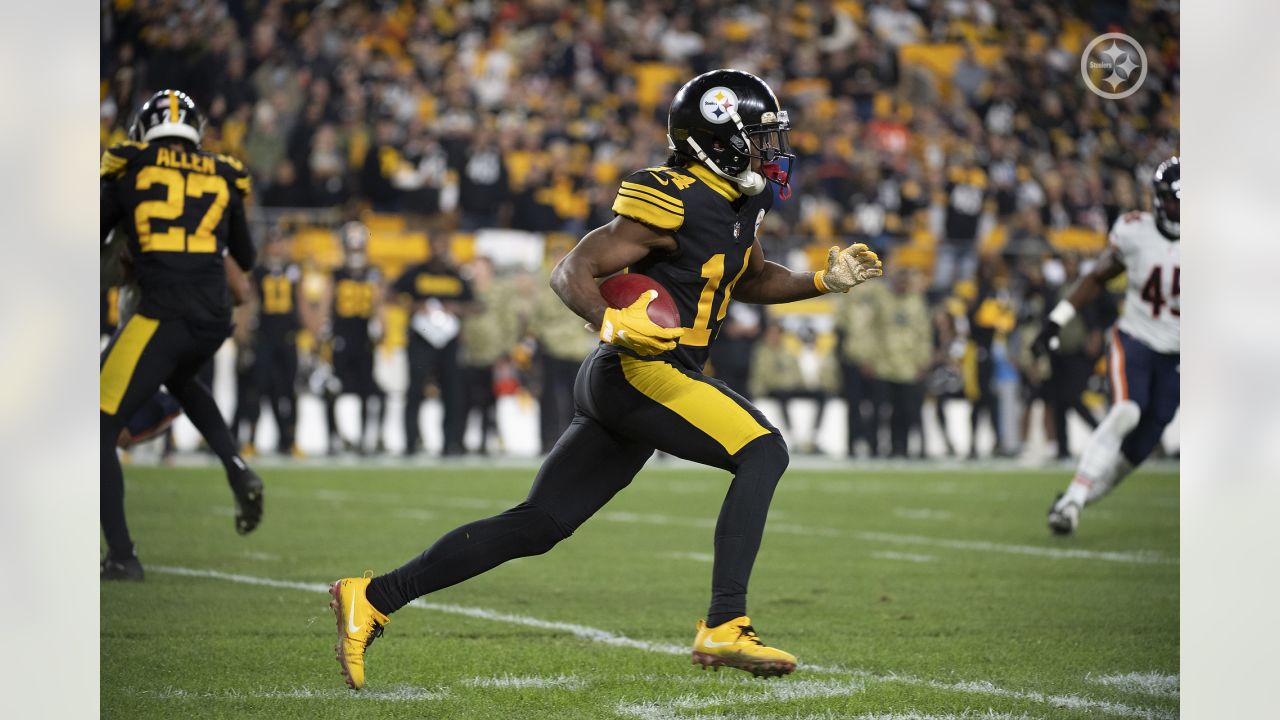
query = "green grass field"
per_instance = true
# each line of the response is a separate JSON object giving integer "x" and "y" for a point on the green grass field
{"x": 906, "y": 595}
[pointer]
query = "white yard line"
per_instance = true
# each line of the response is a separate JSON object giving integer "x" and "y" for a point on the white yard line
{"x": 696, "y": 556}
{"x": 396, "y": 694}
{"x": 905, "y": 557}
{"x": 1147, "y": 683}
{"x": 660, "y": 714}
{"x": 613, "y": 639}
{"x": 921, "y": 514}
{"x": 513, "y": 682}
{"x": 775, "y": 692}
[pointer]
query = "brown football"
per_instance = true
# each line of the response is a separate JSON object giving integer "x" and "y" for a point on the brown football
{"x": 621, "y": 291}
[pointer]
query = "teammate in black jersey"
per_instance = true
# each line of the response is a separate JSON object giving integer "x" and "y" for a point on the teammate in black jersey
{"x": 693, "y": 226}
{"x": 354, "y": 305}
{"x": 181, "y": 209}
{"x": 278, "y": 284}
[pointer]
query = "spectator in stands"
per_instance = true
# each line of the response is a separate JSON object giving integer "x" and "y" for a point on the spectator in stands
{"x": 800, "y": 372}
{"x": 903, "y": 331}
{"x": 562, "y": 345}
{"x": 857, "y": 349}
{"x": 487, "y": 336}
{"x": 990, "y": 319}
{"x": 483, "y": 183}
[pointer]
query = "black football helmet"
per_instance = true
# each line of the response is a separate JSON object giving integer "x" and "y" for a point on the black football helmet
{"x": 168, "y": 114}
{"x": 725, "y": 118}
{"x": 1166, "y": 188}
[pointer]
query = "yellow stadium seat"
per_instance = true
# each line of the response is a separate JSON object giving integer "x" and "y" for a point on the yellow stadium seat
{"x": 317, "y": 245}
{"x": 384, "y": 223}
{"x": 1077, "y": 239}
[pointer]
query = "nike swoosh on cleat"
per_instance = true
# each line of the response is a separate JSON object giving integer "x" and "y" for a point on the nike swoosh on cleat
{"x": 710, "y": 643}
{"x": 351, "y": 627}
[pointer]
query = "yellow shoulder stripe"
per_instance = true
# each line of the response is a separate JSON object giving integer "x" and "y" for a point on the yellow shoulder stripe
{"x": 111, "y": 164}
{"x": 715, "y": 182}
{"x": 700, "y": 404}
{"x": 232, "y": 162}
{"x": 674, "y": 202}
{"x": 628, "y": 193}
{"x": 647, "y": 212}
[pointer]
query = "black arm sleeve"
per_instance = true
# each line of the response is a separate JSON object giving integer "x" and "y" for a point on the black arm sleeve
{"x": 239, "y": 242}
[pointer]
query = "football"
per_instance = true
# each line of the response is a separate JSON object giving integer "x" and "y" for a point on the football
{"x": 622, "y": 290}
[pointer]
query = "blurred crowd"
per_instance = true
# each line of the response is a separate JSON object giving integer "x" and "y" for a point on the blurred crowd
{"x": 953, "y": 136}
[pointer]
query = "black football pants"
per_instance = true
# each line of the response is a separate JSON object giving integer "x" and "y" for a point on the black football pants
{"x": 143, "y": 355}
{"x": 276, "y": 364}
{"x": 626, "y": 408}
{"x": 427, "y": 361}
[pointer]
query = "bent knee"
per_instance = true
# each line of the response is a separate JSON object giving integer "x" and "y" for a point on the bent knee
{"x": 1125, "y": 414}
{"x": 541, "y": 529}
{"x": 766, "y": 451}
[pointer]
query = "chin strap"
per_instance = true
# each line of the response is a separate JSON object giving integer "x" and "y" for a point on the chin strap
{"x": 748, "y": 181}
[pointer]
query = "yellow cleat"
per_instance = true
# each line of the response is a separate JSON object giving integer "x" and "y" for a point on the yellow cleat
{"x": 736, "y": 645}
{"x": 359, "y": 624}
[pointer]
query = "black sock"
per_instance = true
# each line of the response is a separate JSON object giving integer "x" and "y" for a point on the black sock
{"x": 721, "y": 618}
{"x": 741, "y": 525}
{"x": 203, "y": 412}
{"x": 465, "y": 552}
{"x": 111, "y": 491}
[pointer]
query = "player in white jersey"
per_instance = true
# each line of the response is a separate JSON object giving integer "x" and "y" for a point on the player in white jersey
{"x": 1143, "y": 364}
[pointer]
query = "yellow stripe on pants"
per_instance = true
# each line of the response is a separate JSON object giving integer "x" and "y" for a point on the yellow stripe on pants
{"x": 117, "y": 371}
{"x": 702, "y": 405}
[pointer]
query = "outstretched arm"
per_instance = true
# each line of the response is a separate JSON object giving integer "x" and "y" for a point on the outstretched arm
{"x": 768, "y": 283}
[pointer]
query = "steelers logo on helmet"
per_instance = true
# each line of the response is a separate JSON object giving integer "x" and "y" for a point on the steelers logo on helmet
{"x": 718, "y": 105}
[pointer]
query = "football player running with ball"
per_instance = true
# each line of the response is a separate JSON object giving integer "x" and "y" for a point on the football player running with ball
{"x": 1142, "y": 364}
{"x": 691, "y": 225}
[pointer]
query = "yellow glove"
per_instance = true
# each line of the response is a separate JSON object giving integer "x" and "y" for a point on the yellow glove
{"x": 846, "y": 268}
{"x": 632, "y": 329}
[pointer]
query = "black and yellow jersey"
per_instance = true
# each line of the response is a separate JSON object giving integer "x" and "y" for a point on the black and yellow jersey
{"x": 181, "y": 209}
{"x": 277, "y": 289}
{"x": 355, "y": 293}
{"x": 714, "y": 226}
{"x": 434, "y": 279}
